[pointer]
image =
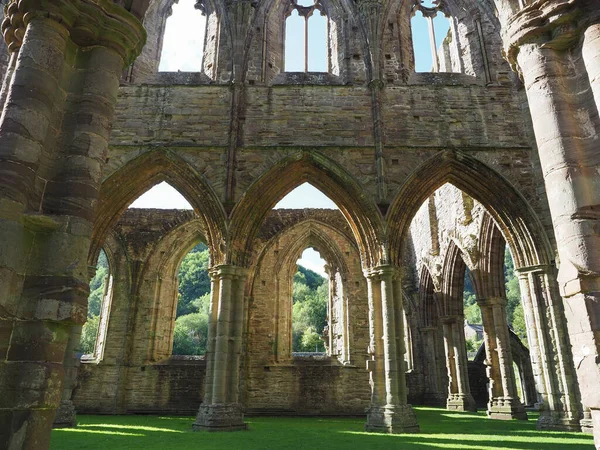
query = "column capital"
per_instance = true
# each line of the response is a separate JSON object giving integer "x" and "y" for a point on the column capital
{"x": 556, "y": 24}
{"x": 228, "y": 271}
{"x": 456, "y": 318}
{"x": 89, "y": 24}
{"x": 384, "y": 270}
{"x": 491, "y": 301}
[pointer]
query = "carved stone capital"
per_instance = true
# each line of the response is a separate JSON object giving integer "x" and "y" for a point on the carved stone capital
{"x": 556, "y": 24}
{"x": 89, "y": 23}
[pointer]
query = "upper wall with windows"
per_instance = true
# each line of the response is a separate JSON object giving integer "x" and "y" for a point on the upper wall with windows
{"x": 319, "y": 42}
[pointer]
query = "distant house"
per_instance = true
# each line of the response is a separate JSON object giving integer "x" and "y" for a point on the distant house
{"x": 473, "y": 331}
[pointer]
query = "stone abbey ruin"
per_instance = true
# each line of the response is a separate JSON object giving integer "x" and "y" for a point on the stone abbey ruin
{"x": 434, "y": 173}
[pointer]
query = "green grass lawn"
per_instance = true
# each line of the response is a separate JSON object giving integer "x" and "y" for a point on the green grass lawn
{"x": 440, "y": 429}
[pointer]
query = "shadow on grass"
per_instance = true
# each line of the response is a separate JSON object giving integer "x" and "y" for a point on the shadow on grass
{"x": 440, "y": 429}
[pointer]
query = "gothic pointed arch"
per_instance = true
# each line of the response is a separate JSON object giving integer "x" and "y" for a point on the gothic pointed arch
{"x": 453, "y": 280}
{"x": 514, "y": 216}
{"x": 313, "y": 237}
{"x": 488, "y": 278}
{"x": 326, "y": 175}
{"x": 429, "y": 310}
{"x": 139, "y": 175}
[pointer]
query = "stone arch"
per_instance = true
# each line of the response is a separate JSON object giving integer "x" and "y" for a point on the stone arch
{"x": 140, "y": 174}
{"x": 429, "y": 304}
{"x": 513, "y": 215}
{"x": 488, "y": 277}
{"x": 363, "y": 216}
{"x": 279, "y": 258}
{"x": 453, "y": 280}
{"x": 165, "y": 260}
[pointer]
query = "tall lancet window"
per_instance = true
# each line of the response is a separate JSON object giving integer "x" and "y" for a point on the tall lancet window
{"x": 433, "y": 37}
{"x": 183, "y": 38}
{"x": 306, "y": 37}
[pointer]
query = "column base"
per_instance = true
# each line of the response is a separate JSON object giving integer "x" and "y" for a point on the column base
{"x": 434, "y": 399}
{"x": 557, "y": 422}
{"x": 461, "y": 402}
{"x": 391, "y": 419}
{"x": 506, "y": 409}
{"x": 66, "y": 416}
{"x": 220, "y": 417}
{"x": 596, "y": 426}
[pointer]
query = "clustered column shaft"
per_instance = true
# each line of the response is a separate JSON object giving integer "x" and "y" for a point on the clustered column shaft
{"x": 50, "y": 167}
{"x": 220, "y": 409}
{"x": 503, "y": 399}
{"x": 459, "y": 391}
{"x": 389, "y": 411}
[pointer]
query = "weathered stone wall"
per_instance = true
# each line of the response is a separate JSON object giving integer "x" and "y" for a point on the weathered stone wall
{"x": 137, "y": 372}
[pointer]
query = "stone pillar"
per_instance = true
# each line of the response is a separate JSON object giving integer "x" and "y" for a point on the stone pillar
{"x": 459, "y": 391}
{"x": 220, "y": 410}
{"x": 389, "y": 411}
{"x": 434, "y": 390}
{"x": 503, "y": 402}
{"x": 553, "y": 371}
{"x": 66, "y": 415}
{"x": 555, "y": 47}
{"x": 53, "y": 138}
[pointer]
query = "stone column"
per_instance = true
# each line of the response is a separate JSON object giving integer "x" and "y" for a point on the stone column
{"x": 389, "y": 411}
{"x": 220, "y": 410}
{"x": 66, "y": 415}
{"x": 434, "y": 390}
{"x": 553, "y": 371}
{"x": 459, "y": 391}
{"x": 53, "y": 139}
{"x": 555, "y": 47}
{"x": 503, "y": 402}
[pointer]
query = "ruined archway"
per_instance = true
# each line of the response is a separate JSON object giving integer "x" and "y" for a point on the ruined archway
{"x": 511, "y": 212}
{"x": 140, "y": 174}
{"x": 326, "y": 175}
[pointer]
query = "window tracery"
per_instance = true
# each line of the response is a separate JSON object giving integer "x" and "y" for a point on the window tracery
{"x": 306, "y": 37}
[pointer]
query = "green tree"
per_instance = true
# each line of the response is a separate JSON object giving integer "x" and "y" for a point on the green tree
{"x": 190, "y": 334}
{"x": 309, "y": 311}
{"x": 514, "y": 307}
{"x": 97, "y": 286}
{"x": 87, "y": 343}
{"x": 194, "y": 281}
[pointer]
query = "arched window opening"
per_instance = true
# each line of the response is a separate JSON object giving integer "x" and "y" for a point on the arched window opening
{"x": 183, "y": 38}
{"x": 473, "y": 321}
{"x": 93, "y": 333}
{"x": 190, "y": 332}
{"x": 408, "y": 350}
{"x": 306, "y": 37}
{"x": 514, "y": 306}
{"x": 311, "y": 305}
{"x": 305, "y": 196}
{"x": 161, "y": 196}
{"x": 434, "y": 47}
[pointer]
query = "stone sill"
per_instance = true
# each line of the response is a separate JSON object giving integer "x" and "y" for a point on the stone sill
{"x": 444, "y": 79}
{"x": 306, "y": 78}
{"x": 179, "y": 79}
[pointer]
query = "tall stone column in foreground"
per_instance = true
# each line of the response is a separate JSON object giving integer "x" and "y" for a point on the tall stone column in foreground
{"x": 220, "y": 409}
{"x": 54, "y": 128}
{"x": 389, "y": 411}
{"x": 555, "y": 46}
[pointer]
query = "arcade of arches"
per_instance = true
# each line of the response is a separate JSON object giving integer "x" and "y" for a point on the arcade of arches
{"x": 434, "y": 173}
